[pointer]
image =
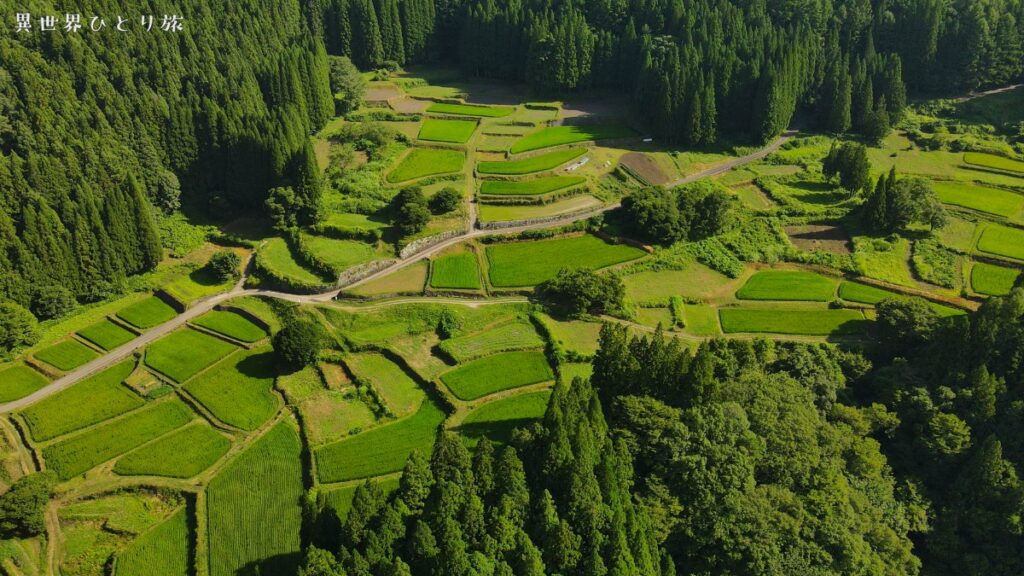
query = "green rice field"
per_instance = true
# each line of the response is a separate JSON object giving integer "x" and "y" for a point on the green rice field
{"x": 340, "y": 254}
{"x": 80, "y": 453}
{"x": 92, "y": 400}
{"x": 231, "y": 325}
{"x": 530, "y": 263}
{"x": 253, "y": 508}
{"x": 788, "y": 285}
{"x": 794, "y": 322}
{"x": 559, "y": 135}
{"x": 401, "y": 394}
{"x": 381, "y": 450}
{"x": 451, "y": 131}
{"x": 989, "y": 200}
{"x": 456, "y": 271}
{"x": 239, "y": 391}
{"x": 470, "y": 110}
{"x": 702, "y": 320}
{"x": 67, "y": 355}
{"x": 148, "y": 313}
{"x": 423, "y": 162}
{"x": 534, "y": 187}
{"x": 496, "y": 420}
{"x": 276, "y": 255}
{"x": 499, "y": 372}
{"x": 181, "y": 454}
{"x": 184, "y": 353}
{"x": 863, "y": 293}
{"x": 525, "y": 212}
{"x": 107, "y": 335}
{"x": 539, "y": 163}
{"x": 993, "y": 280}
{"x": 994, "y": 162}
{"x": 19, "y": 381}
{"x": 164, "y": 550}
{"x": 1002, "y": 241}
{"x": 517, "y": 335}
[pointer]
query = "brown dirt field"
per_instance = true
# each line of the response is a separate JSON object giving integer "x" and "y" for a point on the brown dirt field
{"x": 645, "y": 166}
{"x": 334, "y": 375}
{"x": 381, "y": 93}
{"x": 820, "y": 237}
{"x": 409, "y": 105}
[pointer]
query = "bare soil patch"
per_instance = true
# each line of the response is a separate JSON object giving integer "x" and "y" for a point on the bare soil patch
{"x": 820, "y": 237}
{"x": 409, "y": 105}
{"x": 382, "y": 93}
{"x": 645, "y": 167}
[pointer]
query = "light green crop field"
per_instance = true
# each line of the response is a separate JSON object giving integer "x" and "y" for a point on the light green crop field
{"x": 276, "y": 255}
{"x": 991, "y": 280}
{"x": 184, "y": 353}
{"x": 534, "y": 187}
{"x": 340, "y": 500}
{"x": 381, "y": 450}
{"x": 260, "y": 308}
{"x": 794, "y": 322}
{"x": 496, "y": 420}
{"x": 401, "y": 394}
{"x": 231, "y": 325}
{"x": 19, "y": 381}
{"x": 788, "y": 285}
{"x": 410, "y": 279}
{"x": 181, "y": 454}
{"x": 239, "y": 391}
{"x": 456, "y": 271}
{"x": 162, "y": 550}
{"x": 702, "y": 320}
{"x": 496, "y": 373}
{"x": 253, "y": 508}
{"x": 423, "y": 162}
{"x": 886, "y": 262}
{"x": 1002, "y": 241}
{"x": 340, "y": 253}
{"x": 470, "y": 110}
{"x": 452, "y": 131}
{"x": 570, "y": 371}
{"x": 92, "y": 400}
{"x": 530, "y": 263}
{"x": 66, "y": 355}
{"x": 517, "y": 335}
{"x": 994, "y": 162}
{"x": 864, "y": 294}
{"x": 539, "y": 163}
{"x": 78, "y": 454}
{"x": 148, "y": 313}
{"x": 558, "y": 135}
{"x": 512, "y": 212}
{"x": 574, "y": 335}
{"x": 195, "y": 285}
{"x": 107, "y": 335}
{"x": 989, "y": 200}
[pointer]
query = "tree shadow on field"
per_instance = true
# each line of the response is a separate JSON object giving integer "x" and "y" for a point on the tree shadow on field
{"x": 500, "y": 431}
{"x": 279, "y": 565}
{"x": 258, "y": 366}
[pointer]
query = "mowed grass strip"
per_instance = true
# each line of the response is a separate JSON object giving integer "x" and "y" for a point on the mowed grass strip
{"x": 793, "y": 322}
{"x": 496, "y": 420}
{"x": 19, "y": 381}
{"x": 993, "y": 280}
{"x": 92, "y": 400}
{"x": 534, "y": 187}
{"x": 66, "y": 355}
{"x": 381, "y": 450}
{"x": 518, "y": 264}
{"x": 253, "y": 508}
{"x": 559, "y": 135}
{"x": 401, "y": 394}
{"x": 452, "y": 131}
{"x": 181, "y": 454}
{"x": 107, "y": 335}
{"x": 239, "y": 391}
{"x": 162, "y": 550}
{"x": 78, "y": 454}
{"x": 788, "y": 285}
{"x": 518, "y": 335}
{"x": 980, "y": 198}
{"x": 184, "y": 353}
{"x": 148, "y": 313}
{"x": 470, "y": 110}
{"x": 456, "y": 271}
{"x": 496, "y": 373}
{"x": 1002, "y": 241}
{"x": 423, "y": 162}
{"x": 994, "y": 162}
{"x": 539, "y": 163}
{"x": 231, "y": 325}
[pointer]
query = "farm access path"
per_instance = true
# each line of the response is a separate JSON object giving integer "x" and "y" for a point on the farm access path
{"x": 203, "y": 306}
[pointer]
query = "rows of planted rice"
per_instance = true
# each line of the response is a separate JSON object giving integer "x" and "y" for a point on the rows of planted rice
{"x": 451, "y": 131}
{"x": 863, "y": 294}
{"x": 239, "y": 391}
{"x": 822, "y": 322}
{"x": 533, "y": 187}
{"x": 19, "y": 381}
{"x": 518, "y": 264}
{"x": 184, "y": 353}
{"x": 379, "y": 451}
{"x": 254, "y": 515}
{"x": 496, "y": 420}
{"x": 1002, "y": 241}
{"x": 231, "y": 325}
{"x": 147, "y": 313}
{"x": 470, "y": 110}
{"x": 993, "y": 280}
{"x": 521, "y": 212}
{"x": 456, "y": 272}
{"x": 92, "y": 400}
{"x": 516, "y": 335}
{"x": 66, "y": 355}
{"x": 423, "y": 162}
{"x": 181, "y": 454}
{"x": 559, "y": 135}
{"x": 990, "y": 200}
{"x": 993, "y": 162}
{"x": 533, "y": 164}
{"x": 788, "y": 285}
{"x": 496, "y": 373}
{"x": 80, "y": 453}
{"x": 164, "y": 550}
{"x": 400, "y": 393}
{"x": 107, "y": 334}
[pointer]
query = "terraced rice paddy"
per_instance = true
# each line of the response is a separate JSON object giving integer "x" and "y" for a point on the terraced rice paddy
{"x": 231, "y": 325}
{"x": 788, "y": 285}
{"x": 530, "y": 263}
{"x": 533, "y": 187}
{"x": 496, "y": 373}
{"x": 67, "y": 355}
{"x": 423, "y": 162}
{"x": 276, "y": 256}
{"x": 107, "y": 335}
{"x": 451, "y": 131}
{"x": 993, "y": 280}
{"x": 456, "y": 271}
{"x": 863, "y": 294}
{"x": 517, "y": 335}
{"x": 989, "y": 200}
{"x": 1002, "y": 241}
{"x": 531, "y": 165}
{"x": 183, "y": 354}
{"x": 239, "y": 391}
{"x": 793, "y": 322}
{"x": 148, "y": 313}
{"x": 470, "y": 110}
{"x": 559, "y": 135}
{"x": 496, "y": 420}
{"x": 19, "y": 381}
{"x": 181, "y": 454}
{"x": 401, "y": 394}
{"x": 993, "y": 162}
{"x": 163, "y": 550}
{"x": 92, "y": 400}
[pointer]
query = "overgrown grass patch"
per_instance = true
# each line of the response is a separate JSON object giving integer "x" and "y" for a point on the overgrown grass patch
{"x": 107, "y": 335}
{"x": 530, "y": 263}
{"x": 496, "y": 373}
{"x": 181, "y": 454}
{"x": 239, "y": 391}
{"x": 573, "y": 335}
{"x": 19, "y": 381}
{"x": 148, "y": 313}
{"x": 794, "y": 322}
{"x": 470, "y": 110}
{"x": 277, "y": 256}
{"x": 184, "y": 353}
{"x": 559, "y": 135}
{"x": 496, "y": 420}
{"x": 410, "y": 279}
{"x": 993, "y": 162}
{"x": 533, "y": 187}
{"x": 163, "y": 550}
{"x": 1002, "y": 241}
{"x": 702, "y": 320}
{"x": 989, "y": 200}
{"x": 231, "y": 325}
{"x": 66, "y": 355}
{"x": 993, "y": 280}
{"x": 539, "y": 163}
{"x": 788, "y": 285}
{"x": 517, "y": 335}
{"x": 423, "y": 162}
{"x": 400, "y": 393}
{"x": 456, "y": 271}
